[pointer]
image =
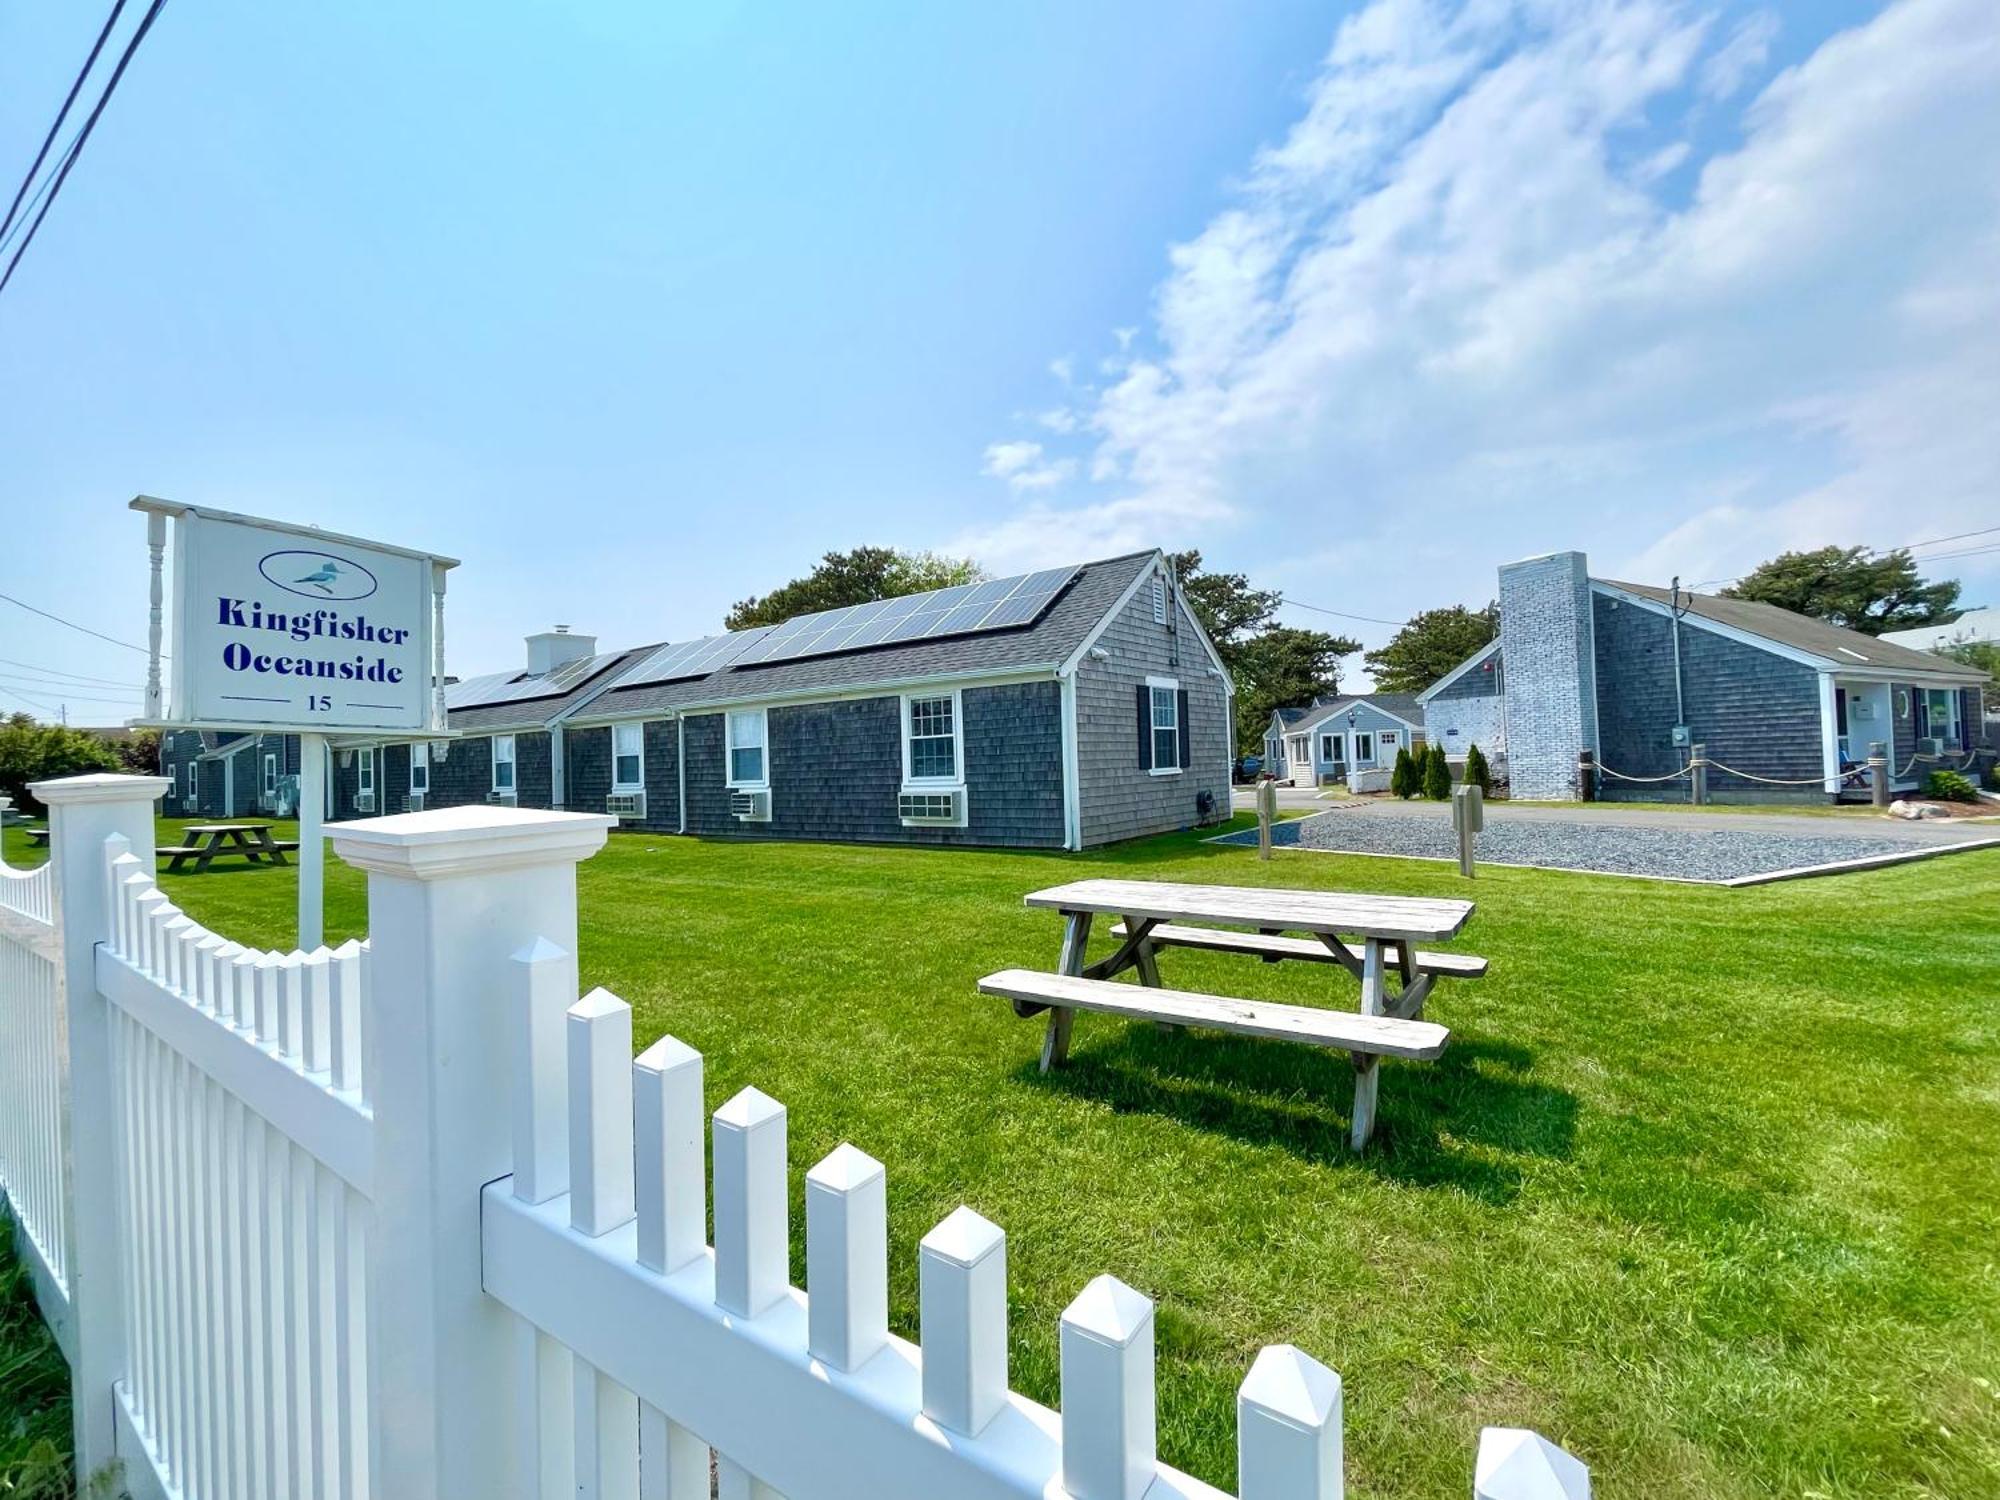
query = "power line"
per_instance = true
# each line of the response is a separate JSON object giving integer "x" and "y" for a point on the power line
{"x": 9, "y": 598}
{"x": 1342, "y": 614}
{"x": 1937, "y": 540}
{"x": 35, "y": 202}
{"x": 90, "y": 124}
{"x": 61, "y": 691}
{"x": 62, "y": 114}
{"x": 28, "y": 666}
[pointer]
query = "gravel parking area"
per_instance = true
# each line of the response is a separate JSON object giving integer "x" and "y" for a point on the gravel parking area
{"x": 1706, "y": 855}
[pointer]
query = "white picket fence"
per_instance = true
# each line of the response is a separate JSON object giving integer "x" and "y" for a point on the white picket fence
{"x": 405, "y": 1219}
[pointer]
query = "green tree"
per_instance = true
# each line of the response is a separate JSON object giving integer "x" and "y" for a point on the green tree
{"x": 1405, "y": 780}
{"x": 1853, "y": 586}
{"x": 36, "y": 752}
{"x": 1282, "y": 665}
{"x": 1437, "y": 775}
{"x": 1984, "y": 655}
{"x": 1477, "y": 772}
{"x": 1271, "y": 665}
{"x": 1429, "y": 645}
{"x": 139, "y": 752}
{"x": 857, "y": 577}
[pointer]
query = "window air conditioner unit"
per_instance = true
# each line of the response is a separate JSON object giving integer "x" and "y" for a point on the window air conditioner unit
{"x": 364, "y": 802}
{"x": 944, "y": 809}
{"x": 1931, "y": 746}
{"x": 499, "y": 798}
{"x": 626, "y": 806}
{"x": 751, "y": 806}
{"x": 416, "y": 802}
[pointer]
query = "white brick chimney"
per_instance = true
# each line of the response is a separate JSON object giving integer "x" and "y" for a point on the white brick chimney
{"x": 554, "y": 648}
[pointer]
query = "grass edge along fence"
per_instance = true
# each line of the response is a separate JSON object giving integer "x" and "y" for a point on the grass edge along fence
{"x": 407, "y": 1218}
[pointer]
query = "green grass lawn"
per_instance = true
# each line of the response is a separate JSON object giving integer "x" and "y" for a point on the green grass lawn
{"x": 34, "y": 1390}
{"x": 1707, "y": 1188}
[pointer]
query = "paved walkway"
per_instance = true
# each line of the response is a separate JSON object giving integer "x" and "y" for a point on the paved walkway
{"x": 1660, "y": 842}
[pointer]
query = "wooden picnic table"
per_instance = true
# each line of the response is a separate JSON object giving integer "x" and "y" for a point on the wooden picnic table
{"x": 251, "y": 840}
{"x": 1370, "y": 936}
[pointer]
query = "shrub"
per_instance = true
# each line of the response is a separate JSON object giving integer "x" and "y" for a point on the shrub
{"x": 1437, "y": 775}
{"x": 1949, "y": 786}
{"x": 1477, "y": 772}
{"x": 41, "y": 752}
{"x": 1405, "y": 781}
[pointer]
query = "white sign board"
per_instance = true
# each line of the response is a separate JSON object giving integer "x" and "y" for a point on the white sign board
{"x": 298, "y": 629}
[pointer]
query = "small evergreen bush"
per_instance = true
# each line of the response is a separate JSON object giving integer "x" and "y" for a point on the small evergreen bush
{"x": 1949, "y": 786}
{"x": 1437, "y": 775}
{"x": 1405, "y": 780}
{"x": 1477, "y": 773}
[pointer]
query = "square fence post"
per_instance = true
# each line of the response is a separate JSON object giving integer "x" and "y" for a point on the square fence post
{"x": 83, "y": 812}
{"x": 453, "y": 896}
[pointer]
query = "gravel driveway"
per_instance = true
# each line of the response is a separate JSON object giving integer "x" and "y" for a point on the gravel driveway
{"x": 1698, "y": 854}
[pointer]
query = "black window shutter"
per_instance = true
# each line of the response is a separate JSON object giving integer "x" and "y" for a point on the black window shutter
{"x": 1145, "y": 727}
{"x": 1187, "y": 747}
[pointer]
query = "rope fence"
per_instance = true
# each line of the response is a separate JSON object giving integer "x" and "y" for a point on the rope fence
{"x": 1847, "y": 772}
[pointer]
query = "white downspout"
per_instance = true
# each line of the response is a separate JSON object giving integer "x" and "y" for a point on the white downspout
{"x": 1072, "y": 779}
{"x": 681, "y": 769}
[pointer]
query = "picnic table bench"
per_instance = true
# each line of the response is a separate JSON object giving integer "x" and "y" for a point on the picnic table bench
{"x": 1386, "y": 929}
{"x": 251, "y": 840}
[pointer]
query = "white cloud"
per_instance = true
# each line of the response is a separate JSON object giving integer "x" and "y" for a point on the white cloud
{"x": 1731, "y": 64}
{"x": 1456, "y": 301}
{"x": 1024, "y": 466}
{"x": 1058, "y": 419}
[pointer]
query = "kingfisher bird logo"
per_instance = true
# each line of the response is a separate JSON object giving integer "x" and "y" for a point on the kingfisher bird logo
{"x": 317, "y": 575}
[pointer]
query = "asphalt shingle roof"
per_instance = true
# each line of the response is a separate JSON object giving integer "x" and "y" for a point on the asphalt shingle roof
{"x": 1401, "y": 705}
{"x": 1047, "y": 642}
{"x": 532, "y": 713}
{"x": 1834, "y": 644}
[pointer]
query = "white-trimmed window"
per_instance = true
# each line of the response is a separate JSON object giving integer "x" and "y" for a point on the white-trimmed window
{"x": 1388, "y": 741}
{"x": 749, "y": 761}
{"x": 933, "y": 743}
{"x": 628, "y": 757}
{"x": 364, "y": 772}
{"x": 1329, "y": 749}
{"x": 420, "y": 769}
{"x": 1364, "y": 747}
{"x": 1941, "y": 713}
{"x": 270, "y": 774}
{"x": 189, "y": 780}
{"x": 1159, "y": 601}
{"x": 503, "y": 763}
{"x": 1165, "y": 693}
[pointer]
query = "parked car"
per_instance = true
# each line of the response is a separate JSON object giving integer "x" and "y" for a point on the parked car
{"x": 1248, "y": 767}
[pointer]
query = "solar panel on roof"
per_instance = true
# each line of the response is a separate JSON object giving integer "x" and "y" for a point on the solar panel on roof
{"x": 519, "y": 687}
{"x": 695, "y": 658}
{"x": 962, "y": 609}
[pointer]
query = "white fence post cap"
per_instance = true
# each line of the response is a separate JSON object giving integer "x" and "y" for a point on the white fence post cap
{"x": 748, "y": 1107}
{"x": 844, "y": 1168}
{"x": 1109, "y": 1310}
{"x": 99, "y": 786}
{"x": 1516, "y": 1464}
{"x": 1292, "y": 1386}
{"x": 466, "y": 840}
{"x": 963, "y": 1237}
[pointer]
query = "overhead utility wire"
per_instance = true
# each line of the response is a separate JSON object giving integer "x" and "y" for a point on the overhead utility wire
{"x": 9, "y": 598}
{"x": 90, "y": 124}
{"x": 75, "y": 88}
{"x": 29, "y": 666}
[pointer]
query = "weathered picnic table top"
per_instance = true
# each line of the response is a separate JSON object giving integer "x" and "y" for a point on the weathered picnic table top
{"x": 227, "y": 828}
{"x": 1419, "y": 917}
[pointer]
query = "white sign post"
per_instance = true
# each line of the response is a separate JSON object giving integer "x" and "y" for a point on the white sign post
{"x": 292, "y": 630}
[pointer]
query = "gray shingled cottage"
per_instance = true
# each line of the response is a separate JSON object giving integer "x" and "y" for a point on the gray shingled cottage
{"x": 1635, "y": 674}
{"x": 1060, "y": 709}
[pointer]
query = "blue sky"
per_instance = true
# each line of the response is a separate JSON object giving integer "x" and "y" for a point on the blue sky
{"x": 637, "y": 312}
